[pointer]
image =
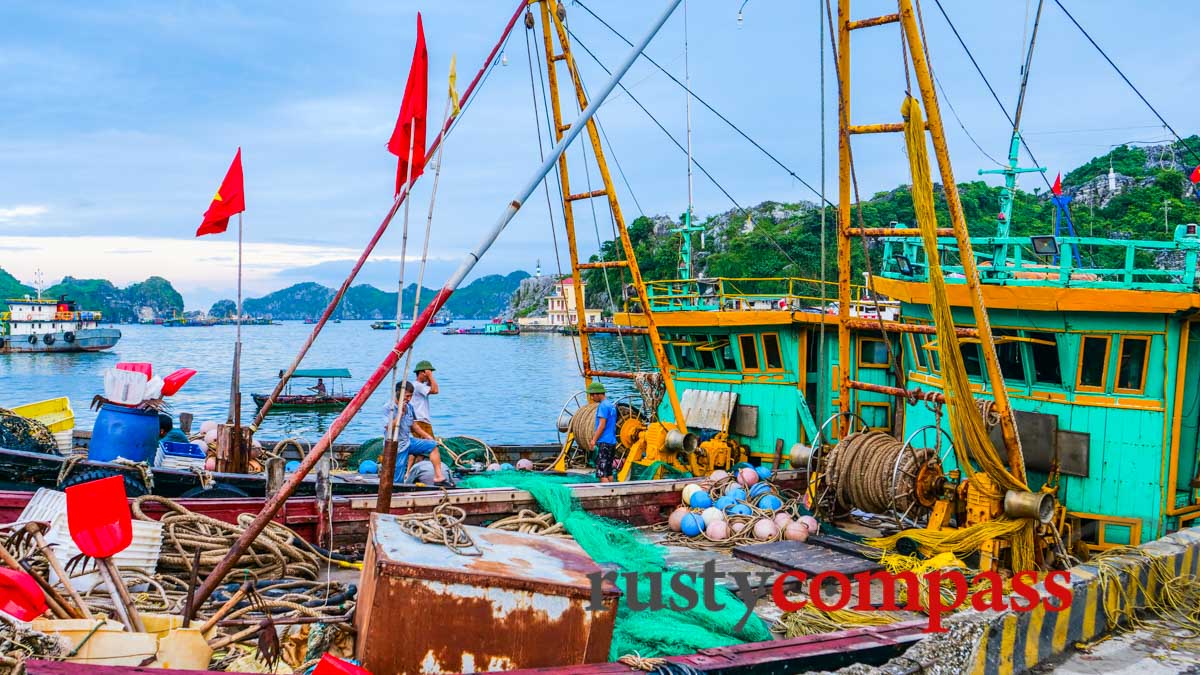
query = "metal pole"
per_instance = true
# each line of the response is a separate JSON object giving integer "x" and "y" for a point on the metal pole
{"x": 387, "y": 219}
{"x": 273, "y": 504}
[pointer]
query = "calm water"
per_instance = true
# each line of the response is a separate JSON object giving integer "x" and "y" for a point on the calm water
{"x": 501, "y": 389}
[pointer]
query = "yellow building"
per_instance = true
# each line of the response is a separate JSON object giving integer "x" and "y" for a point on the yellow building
{"x": 561, "y": 308}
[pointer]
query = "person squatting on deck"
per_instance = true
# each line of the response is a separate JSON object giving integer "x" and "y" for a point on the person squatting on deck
{"x": 167, "y": 433}
{"x": 604, "y": 440}
{"x": 412, "y": 441}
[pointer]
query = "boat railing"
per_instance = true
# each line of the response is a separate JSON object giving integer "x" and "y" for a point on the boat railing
{"x": 742, "y": 293}
{"x": 1075, "y": 262}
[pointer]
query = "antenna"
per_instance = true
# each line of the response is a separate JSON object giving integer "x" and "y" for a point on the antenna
{"x": 38, "y": 282}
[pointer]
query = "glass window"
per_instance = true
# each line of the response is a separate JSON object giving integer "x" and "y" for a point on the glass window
{"x": 872, "y": 353}
{"x": 1093, "y": 362}
{"x": 771, "y": 352}
{"x": 1131, "y": 373}
{"x": 725, "y": 357}
{"x": 917, "y": 342}
{"x": 706, "y": 359}
{"x": 1010, "y": 355}
{"x": 684, "y": 358}
{"x": 1046, "y": 369}
{"x": 971, "y": 360}
{"x": 749, "y": 352}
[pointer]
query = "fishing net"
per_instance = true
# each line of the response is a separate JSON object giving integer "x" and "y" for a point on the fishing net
{"x": 647, "y": 632}
{"x": 369, "y": 450}
{"x": 22, "y": 433}
{"x": 466, "y": 450}
{"x": 655, "y": 471}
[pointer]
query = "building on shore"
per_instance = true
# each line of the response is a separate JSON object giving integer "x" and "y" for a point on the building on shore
{"x": 561, "y": 309}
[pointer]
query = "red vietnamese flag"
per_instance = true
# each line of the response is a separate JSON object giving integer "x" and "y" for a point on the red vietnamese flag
{"x": 1196, "y": 174}
{"x": 1057, "y": 187}
{"x": 229, "y": 200}
{"x": 410, "y": 126}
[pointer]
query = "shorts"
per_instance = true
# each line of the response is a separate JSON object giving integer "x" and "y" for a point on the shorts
{"x": 421, "y": 447}
{"x": 427, "y": 427}
{"x": 605, "y": 453}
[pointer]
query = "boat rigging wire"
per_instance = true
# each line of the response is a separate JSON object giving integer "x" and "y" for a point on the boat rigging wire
{"x": 704, "y": 103}
{"x": 1128, "y": 82}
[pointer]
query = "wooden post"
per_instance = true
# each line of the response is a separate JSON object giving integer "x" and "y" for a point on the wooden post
{"x": 275, "y": 474}
{"x": 185, "y": 423}
{"x": 778, "y": 462}
{"x": 387, "y": 467}
{"x": 232, "y": 451}
{"x": 324, "y": 490}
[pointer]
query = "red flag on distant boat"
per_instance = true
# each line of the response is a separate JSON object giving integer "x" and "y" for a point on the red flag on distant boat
{"x": 410, "y": 126}
{"x": 230, "y": 200}
{"x": 1057, "y": 187}
{"x": 1196, "y": 174}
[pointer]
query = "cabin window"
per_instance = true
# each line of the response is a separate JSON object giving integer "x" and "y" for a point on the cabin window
{"x": 1131, "y": 373}
{"x": 749, "y": 348}
{"x": 935, "y": 361}
{"x": 1010, "y": 355}
{"x": 1043, "y": 347}
{"x": 1093, "y": 363}
{"x": 684, "y": 358}
{"x": 972, "y": 363}
{"x": 872, "y": 353}
{"x": 876, "y": 415}
{"x": 711, "y": 355}
{"x": 915, "y": 343}
{"x": 772, "y": 355}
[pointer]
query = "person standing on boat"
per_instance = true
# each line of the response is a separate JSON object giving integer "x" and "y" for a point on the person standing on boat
{"x": 423, "y": 388}
{"x": 604, "y": 438}
{"x": 412, "y": 441}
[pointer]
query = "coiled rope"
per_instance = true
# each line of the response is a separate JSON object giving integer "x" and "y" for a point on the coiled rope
{"x": 860, "y": 473}
{"x": 444, "y": 525}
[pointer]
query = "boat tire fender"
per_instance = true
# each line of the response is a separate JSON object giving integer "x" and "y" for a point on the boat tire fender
{"x": 68, "y": 337}
{"x": 217, "y": 491}
{"x": 33, "y": 339}
{"x": 48, "y": 339}
{"x": 133, "y": 486}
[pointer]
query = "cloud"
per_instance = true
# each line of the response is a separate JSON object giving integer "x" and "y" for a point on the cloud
{"x": 9, "y": 214}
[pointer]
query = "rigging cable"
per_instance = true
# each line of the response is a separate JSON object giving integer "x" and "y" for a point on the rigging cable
{"x": 1128, "y": 82}
{"x": 704, "y": 103}
{"x": 822, "y": 388}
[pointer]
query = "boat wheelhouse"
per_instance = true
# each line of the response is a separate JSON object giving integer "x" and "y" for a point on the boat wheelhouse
{"x": 36, "y": 324}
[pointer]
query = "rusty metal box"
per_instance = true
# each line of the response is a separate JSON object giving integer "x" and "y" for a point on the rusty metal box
{"x": 523, "y": 603}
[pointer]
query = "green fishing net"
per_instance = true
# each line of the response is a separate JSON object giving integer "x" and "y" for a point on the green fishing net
{"x": 655, "y": 471}
{"x": 648, "y": 633}
{"x": 371, "y": 450}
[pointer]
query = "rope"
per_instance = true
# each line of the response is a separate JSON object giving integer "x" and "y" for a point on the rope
{"x": 442, "y": 526}
{"x": 812, "y": 621}
{"x": 652, "y": 389}
{"x": 861, "y": 473}
{"x": 531, "y": 522}
{"x": 583, "y": 425}
{"x": 642, "y": 663}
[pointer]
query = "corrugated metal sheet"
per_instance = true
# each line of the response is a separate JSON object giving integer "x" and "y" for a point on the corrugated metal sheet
{"x": 524, "y": 603}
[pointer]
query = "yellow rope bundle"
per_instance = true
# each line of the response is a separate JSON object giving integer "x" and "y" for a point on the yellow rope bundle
{"x": 812, "y": 621}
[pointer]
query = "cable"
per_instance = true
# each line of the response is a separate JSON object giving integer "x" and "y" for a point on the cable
{"x": 704, "y": 103}
{"x": 1131, "y": 85}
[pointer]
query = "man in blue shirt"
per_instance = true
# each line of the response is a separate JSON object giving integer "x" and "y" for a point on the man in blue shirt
{"x": 604, "y": 439}
{"x": 412, "y": 440}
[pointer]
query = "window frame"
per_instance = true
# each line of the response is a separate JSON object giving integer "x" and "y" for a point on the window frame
{"x": 1144, "y": 339}
{"x": 862, "y": 341}
{"x": 919, "y": 358}
{"x": 1033, "y": 343}
{"x": 765, "y": 365}
{"x": 887, "y": 409}
{"x": 1079, "y": 386}
{"x": 742, "y": 353}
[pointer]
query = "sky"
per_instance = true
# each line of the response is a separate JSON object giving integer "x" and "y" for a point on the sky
{"x": 119, "y": 119}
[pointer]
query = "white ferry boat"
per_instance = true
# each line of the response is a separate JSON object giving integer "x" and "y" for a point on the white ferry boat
{"x": 36, "y": 324}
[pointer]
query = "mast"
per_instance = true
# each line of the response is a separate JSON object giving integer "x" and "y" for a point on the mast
{"x": 685, "y": 232}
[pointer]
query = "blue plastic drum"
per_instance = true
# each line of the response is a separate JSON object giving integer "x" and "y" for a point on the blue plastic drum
{"x": 126, "y": 433}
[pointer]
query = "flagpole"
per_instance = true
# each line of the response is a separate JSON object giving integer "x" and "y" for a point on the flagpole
{"x": 391, "y": 443}
{"x": 236, "y": 445}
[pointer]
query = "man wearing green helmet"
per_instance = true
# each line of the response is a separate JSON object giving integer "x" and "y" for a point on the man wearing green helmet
{"x": 604, "y": 438}
{"x": 423, "y": 388}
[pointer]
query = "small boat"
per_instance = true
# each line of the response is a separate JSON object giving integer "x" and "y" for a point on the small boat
{"x": 440, "y": 320}
{"x": 391, "y": 325}
{"x": 309, "y": 320}
{"x": 496, "y": 327}
{"x": 46, "y": 325}
{"x": 335, "y": 399}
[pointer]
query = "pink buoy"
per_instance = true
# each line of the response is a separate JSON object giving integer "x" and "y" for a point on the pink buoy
{"x": 765, "y": 530}
{"x": 782, "y": 520}
{"x": 717, "y": 530}
{"x": 719, "y": 474}
{"x": 747, "y": 477}
{"x": 738, "y": 526}
{"x": 493, "y": 467}
{"x": 813, "y": 526}
{"x": 524, "y": 465}
{"x": 796, "y": 531}
{"x": 676, "y": 518}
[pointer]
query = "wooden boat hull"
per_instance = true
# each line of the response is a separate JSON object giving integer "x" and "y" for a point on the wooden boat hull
{"x": 296, "y": 402}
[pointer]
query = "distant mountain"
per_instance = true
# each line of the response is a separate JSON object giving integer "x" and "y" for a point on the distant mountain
{"x": 484, "y": 298}
{"x": 154, "y": 297}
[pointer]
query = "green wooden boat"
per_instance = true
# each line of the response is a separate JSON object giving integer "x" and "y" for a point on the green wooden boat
{"x": 332, "y": 398}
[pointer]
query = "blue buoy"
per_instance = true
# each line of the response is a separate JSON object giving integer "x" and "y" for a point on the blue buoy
{"x": 764, "y": 473}
{"x": 291, "y": 466}
{"x": 770, "y": 503}
{"x": 759, "y": 489}
{"x": 368, "y": 466}
{"x": 725, "y": 502}
{"x": 700, "y": 500}
{"x": 738, "y": 494}
{"x": 739, "y": 510}
{"x": 506, "y": 467}
{"x": 692, "y": 524}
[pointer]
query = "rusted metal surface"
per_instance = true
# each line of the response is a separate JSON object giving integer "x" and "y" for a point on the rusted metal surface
{"x": 524, "y": 602}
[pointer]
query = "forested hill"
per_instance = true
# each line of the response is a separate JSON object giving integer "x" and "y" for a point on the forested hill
{"x": 775, "y": 239}
{"x": 154, "y": 297}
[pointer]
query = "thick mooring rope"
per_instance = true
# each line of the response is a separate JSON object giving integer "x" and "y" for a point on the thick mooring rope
{"x": 860, "y": 471}
{"x": 444, "y": 525}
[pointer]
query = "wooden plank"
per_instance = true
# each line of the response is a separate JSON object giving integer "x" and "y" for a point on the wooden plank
{"x": 843, "y": 545}
{"x": 811, "y": 559}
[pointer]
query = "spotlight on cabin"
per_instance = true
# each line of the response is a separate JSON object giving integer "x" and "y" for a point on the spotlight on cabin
{"x": 904, "y": 265}
{"x": 1044, "y": 244}
{"x": 1191, "y": 229}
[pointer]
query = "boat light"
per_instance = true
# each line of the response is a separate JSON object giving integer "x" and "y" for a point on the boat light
{"x": 904, "y": 265}
{"x": 1044, "y": 244}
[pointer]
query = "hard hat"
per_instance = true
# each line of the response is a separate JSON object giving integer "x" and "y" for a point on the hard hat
{"x": 423, "y": 365}
{"x": 595, "y": 388}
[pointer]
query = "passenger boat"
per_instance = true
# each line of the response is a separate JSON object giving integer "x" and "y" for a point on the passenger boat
{"x": 390, "y": 324}
{"x": 335, "y": 398}
{"x": 37, "y": 324}
{"x": 495, "y": 327}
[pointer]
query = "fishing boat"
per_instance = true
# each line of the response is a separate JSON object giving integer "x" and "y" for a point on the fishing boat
{"x": 37, "y": 325}
{"x": 391, "y": 324}
{"x": 335, "y": 398}
{"x": 494, "y": 327}
{"x": 190, "y": 322}
{"x": 440, "y": 320}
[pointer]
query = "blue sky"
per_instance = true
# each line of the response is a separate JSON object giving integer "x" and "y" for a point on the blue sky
{"x": 118, "y": 120}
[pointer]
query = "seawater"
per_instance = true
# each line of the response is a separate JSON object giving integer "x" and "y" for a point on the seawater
{"x": 499, "y": 389}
